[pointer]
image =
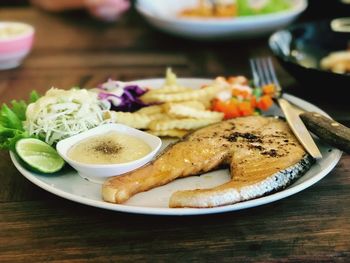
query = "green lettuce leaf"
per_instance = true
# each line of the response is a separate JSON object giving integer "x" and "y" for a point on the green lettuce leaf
{"x": 9, "y": 137}
{"x": 9, "y": 119}
{"x": 11, "y": 122}
{"x": 33, "y": 97}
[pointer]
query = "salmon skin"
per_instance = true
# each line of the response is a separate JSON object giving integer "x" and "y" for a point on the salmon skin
{"x": 262, "y": 154}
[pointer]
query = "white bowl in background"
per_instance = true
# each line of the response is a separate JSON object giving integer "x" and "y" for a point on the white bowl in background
{"x": 98, "y": 173}
{"x": 163, "y": 14}
{"x": 16, "y": 40}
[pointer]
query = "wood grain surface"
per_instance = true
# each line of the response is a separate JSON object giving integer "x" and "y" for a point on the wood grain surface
{"x": 36, "y": 226}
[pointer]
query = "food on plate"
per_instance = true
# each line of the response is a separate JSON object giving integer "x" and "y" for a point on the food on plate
{"x": 151, "y": 110}
{"x": 183, "y": 110}
{"x": 158, "y": 96}
{"x": 184, "y": 124}
{"x": 239, "y": 99}
{"x": 134, "y": 120}
{"x": 262, "y": 153}
{"x": 38, "y": 155}
{"x": 337, "y": 62}
{"x": 120, "y": 96}
{"x": 173, "y": 108}
{"x": 60, "y": 114}
{"x": 187, "y": 115}
{"x": 176, "y": 133}
{"x": 11, "y": 122}
{"x": 234, "y": 8}
{"x": 109, "y": 148}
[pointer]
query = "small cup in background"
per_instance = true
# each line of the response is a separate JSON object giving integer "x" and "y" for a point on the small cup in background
{"x": 16, "y": 40}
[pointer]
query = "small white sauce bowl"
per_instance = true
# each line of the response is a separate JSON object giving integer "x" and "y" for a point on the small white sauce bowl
{"x": 14, "y": 48}
{"x": 98, "y": 173}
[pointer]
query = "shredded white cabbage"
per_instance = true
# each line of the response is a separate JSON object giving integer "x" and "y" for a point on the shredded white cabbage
{"x": 63, "y": 113}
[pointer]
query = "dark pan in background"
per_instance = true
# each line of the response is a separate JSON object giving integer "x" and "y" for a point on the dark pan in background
{"x": 300, "y": 48}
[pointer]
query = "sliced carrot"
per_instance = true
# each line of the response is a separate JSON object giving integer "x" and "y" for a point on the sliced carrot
{"x": 231, "y": 111}
{"x": 253, "y": 102}
{"x": 216, "y": 105}
{"x": 242, "y": 93}
{"x": 265, "y": 102}
{"x": 245, "y": 108}
{"x": 229, "y": 108}
{"x": 269, "y": 89}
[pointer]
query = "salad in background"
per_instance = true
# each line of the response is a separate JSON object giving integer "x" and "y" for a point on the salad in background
{"x": 234, "y": 8}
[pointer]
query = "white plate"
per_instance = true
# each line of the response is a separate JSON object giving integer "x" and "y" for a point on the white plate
{"x": 162, "y": 14}
{"x": 68, "y": 184}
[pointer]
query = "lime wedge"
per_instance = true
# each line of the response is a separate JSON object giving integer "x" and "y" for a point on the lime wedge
{"x": 39, "y": 155}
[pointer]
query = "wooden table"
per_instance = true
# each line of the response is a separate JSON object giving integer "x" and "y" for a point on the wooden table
{"x": 36, "y": 226}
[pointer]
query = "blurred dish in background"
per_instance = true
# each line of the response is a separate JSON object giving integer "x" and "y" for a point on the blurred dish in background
{"x": 16, "y": 41}
{"x": 327, "y": 9}
{"x": 206, "y": 9}
{"x": 259, "y": 19}
{"x": 306, "y": 51}
{"x": 233, "y": 8}
{"x": 337, "y": 62}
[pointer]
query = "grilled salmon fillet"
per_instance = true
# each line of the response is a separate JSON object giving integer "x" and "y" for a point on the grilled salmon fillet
{"x": 262, "y": 154}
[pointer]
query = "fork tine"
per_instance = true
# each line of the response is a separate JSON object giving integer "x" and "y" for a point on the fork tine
{"x": 256, "y": 78}
{"x": 272, "y": 72}
{"x": 265, "y": 70}
{"x": 274, "y": 77}
{"x": 260, "y": 70}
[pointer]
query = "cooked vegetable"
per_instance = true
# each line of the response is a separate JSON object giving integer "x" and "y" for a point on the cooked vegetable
{"x": 238, "y": 99}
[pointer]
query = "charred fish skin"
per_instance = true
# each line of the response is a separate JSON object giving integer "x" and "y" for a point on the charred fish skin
{"x": 269, "y": 185}
{"x": 278, "y": 181}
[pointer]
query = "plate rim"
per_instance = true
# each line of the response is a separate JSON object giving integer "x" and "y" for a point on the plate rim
{"x": 333, "y": 160}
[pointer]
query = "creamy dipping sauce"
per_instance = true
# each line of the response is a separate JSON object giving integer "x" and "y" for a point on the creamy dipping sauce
{"x": 109, "y": 148}
{"x": 10, "y": 30}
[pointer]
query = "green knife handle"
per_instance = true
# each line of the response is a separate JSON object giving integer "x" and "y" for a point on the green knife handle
{"x": 330, "y": 131}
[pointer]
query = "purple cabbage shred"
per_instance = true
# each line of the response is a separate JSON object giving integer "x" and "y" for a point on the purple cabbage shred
{"x": 129, "y": 101}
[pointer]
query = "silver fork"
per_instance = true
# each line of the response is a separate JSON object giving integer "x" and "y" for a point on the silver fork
{"x": 263, "y": 74}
